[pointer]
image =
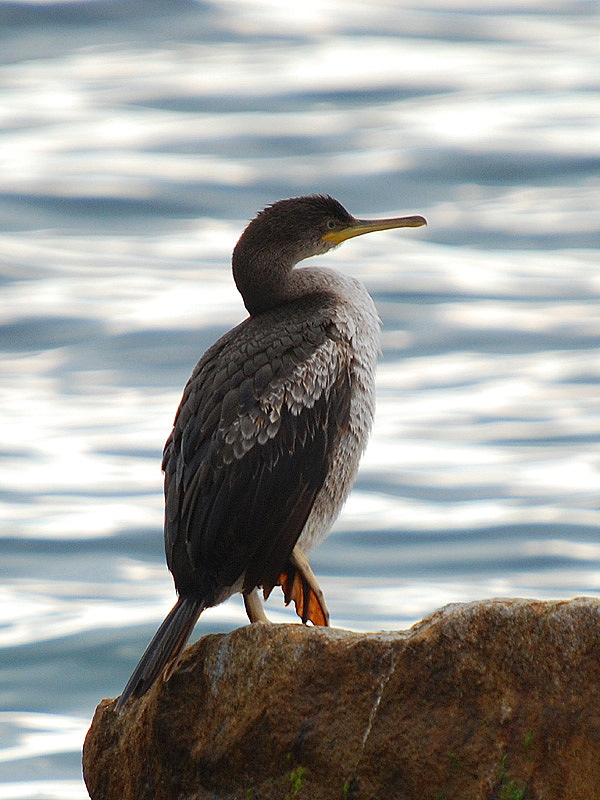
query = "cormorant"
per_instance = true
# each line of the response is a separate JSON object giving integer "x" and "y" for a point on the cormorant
{"x": 273, "y": 421}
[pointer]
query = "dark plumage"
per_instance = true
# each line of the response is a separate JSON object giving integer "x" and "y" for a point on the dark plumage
{"x": 270, "y": 429}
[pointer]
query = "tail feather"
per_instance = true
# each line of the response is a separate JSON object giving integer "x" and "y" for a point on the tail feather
{"x": 164, "y": 649}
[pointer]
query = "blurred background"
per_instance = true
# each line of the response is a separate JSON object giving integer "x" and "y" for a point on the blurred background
{"x": 137, "y": 138}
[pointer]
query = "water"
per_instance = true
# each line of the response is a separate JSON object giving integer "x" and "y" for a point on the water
{"x": 137, "y": 139}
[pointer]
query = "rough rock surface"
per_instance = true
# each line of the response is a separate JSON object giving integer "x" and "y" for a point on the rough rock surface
{"x": 495, "y": 700}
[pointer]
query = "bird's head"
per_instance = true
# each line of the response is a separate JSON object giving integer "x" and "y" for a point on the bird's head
{"x": 291, "y": 230}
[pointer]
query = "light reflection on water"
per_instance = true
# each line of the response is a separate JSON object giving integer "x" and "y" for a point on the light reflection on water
{"x": 134, "y": 150}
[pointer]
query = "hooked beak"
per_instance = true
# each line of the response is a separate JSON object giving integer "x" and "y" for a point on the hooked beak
{"x": 362, "y": 226}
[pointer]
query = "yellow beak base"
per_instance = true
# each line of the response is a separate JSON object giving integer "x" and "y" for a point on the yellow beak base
{"x": 361, "y": 226}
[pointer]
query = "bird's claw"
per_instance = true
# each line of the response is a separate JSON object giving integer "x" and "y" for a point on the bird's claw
{"x": 299, "y": 584}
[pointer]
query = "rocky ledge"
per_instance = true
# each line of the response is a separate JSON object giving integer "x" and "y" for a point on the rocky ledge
{"x": 494, "y": 700}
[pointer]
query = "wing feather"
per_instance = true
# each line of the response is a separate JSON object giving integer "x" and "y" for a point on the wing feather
{"x": 250, "y": 449}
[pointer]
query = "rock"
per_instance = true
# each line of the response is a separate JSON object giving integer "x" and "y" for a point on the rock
{"x": 494, "y": 700}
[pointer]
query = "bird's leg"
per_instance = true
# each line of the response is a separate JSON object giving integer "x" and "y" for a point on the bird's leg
{"x": 254, "y": 607}
{"x": 300, "y": 585}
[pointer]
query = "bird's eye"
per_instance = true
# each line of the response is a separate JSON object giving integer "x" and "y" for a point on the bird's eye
{"x": 330, "y": 224}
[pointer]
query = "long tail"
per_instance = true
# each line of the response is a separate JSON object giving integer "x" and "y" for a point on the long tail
{"x": 164, "y": 649}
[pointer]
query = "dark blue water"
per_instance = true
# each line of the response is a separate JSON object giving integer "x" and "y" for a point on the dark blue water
{"x": 137, "y": 139}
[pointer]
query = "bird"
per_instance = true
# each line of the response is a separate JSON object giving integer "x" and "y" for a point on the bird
{"x": 273, "y": 421}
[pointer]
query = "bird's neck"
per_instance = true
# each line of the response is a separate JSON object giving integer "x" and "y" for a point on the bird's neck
{"x": 263, "y": 283}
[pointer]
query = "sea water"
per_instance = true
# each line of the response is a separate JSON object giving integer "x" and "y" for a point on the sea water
{"x": 137, "y": 140}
